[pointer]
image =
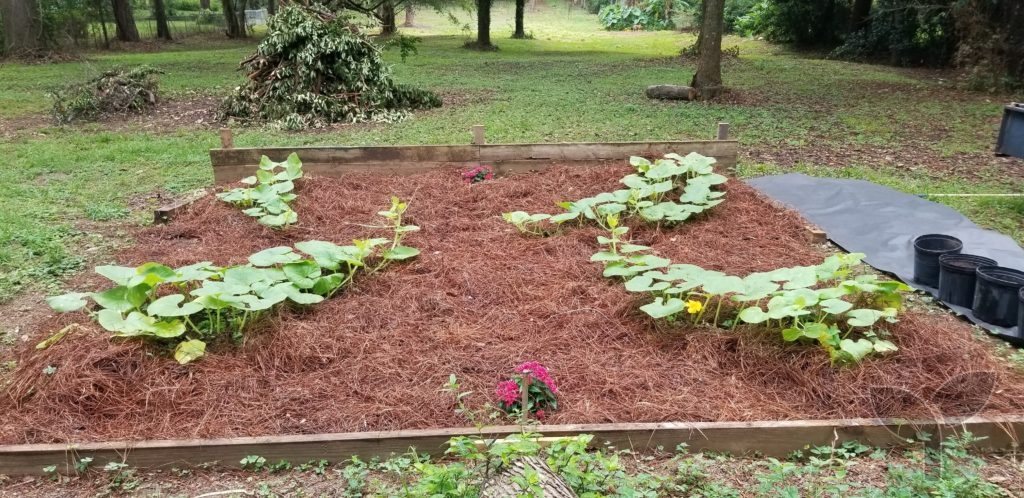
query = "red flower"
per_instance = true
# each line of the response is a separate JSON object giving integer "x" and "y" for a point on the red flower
{"x": 508, "y": 392}
{"x": 540, "y": 415}
{"x": 539, "y": 372}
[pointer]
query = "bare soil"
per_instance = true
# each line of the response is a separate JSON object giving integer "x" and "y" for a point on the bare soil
{"x": 479, "y": 300}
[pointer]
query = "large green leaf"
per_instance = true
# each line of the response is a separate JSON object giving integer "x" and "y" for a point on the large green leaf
{"x": 753, "y": 314}
{"x": 120, "y": 275}
{"x": 401, "y": 252}
{"x": 65, "y": 303}
{"x": 121, "y": 298}
{"x": 326, "y": 254}
{"x": 662, "y": 308}
{"x": 274, "y": 256}
{"x": 172, "y": 305}
{"x": 303, "y": 274}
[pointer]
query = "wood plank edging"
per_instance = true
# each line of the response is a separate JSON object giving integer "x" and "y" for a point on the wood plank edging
{"x": 233, "y": 164}
{"x": 771, "y": 438}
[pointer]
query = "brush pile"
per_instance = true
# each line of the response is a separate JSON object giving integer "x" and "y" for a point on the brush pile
{"x": 314, "y": 69}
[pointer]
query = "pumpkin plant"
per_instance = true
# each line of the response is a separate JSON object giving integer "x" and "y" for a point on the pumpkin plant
{"x": 194, "y": 304}
{"x": 827, "y": 303}
{"x": 269, "y": 196}
{"x": 670, "y": 190}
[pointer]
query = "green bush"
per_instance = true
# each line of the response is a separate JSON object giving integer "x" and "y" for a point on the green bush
{"x": 186, "y": 5}
{"x": 649, "y": 15}
{"x": 595, "y": 6}
{"x": 735, "y": 14}
{"x": 904, "y": 34}
{"x": 801, "y": 22}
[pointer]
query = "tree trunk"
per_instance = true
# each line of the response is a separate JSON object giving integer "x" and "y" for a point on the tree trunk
{"x": 860, "y": 14}
{"x": 708, "y": 78}
{"x": 520, "y": 8}
{"x": 386, "y": 12}
{"x": 700, "y": 33}
{"x": 483, "y": 24}
{"x": 163, "y": 29}
{"x": 125, "y": 20}
{"x": 271, "y": 7}
{"x": 21, "y": 30}
{"x": 235, "y": 28}
{"x": 503, "y": 485}
{"x": 204, "y": 4}
{"x": 101, "y": 14}
{"x": 410, "y": 14}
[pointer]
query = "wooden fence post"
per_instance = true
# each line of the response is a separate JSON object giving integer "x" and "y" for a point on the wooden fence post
{"x": 226, "y": 140}
{"x": 478, "y": 135}
{"x": 723, "y": 131}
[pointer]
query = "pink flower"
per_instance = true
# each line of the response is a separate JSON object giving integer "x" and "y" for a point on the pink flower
{"x": 508, "y": 392}
{"x": 540, "y": 415}
{"x": 539, "y": 372}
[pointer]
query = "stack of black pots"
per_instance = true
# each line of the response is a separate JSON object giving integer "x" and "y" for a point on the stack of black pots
{"x": 995, "y": 294}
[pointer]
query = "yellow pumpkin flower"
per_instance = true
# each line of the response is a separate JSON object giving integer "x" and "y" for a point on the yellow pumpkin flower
{"x": 693, "y": 307}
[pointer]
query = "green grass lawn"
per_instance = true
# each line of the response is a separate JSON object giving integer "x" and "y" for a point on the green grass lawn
{"x": 69, "y": 189}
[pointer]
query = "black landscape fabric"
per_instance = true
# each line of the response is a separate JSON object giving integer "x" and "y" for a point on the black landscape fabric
{"x": 882, "y": 223}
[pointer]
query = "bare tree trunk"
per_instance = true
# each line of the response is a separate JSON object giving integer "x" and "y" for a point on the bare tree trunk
{"x": 707, "y": 81}
{"x": 125, "y": 20}
{"x": 204, "y": 4}
{"x": 700, "y": 34}
{"x": 21, "y": 29}
{"x": 410, "y": 14}
{"x": 386, "y": 12}
{"x": 860, "y": 13}
{"x": 101, "y": 13}
{"x": 483, "y": 24}
{"x": 163, "y": 29}
{"x": 520, "y": 8}
{"x": 235, "y": 27}
{"x": 271, "y": 7}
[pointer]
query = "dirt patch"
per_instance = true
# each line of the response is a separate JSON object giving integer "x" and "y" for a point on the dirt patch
{"x": 170, "y": 115}
{"x": 480, "y": 299}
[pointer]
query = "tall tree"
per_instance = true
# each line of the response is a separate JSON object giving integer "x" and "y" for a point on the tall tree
{"x": 483, "y": 25}
{"x": 386, "y": 14}
{"x": 410, "y": 14}
{"x": 860, "y": 13}
{"x": 520, "y": 8}
{"x": 707, "y": 81}
{"x": 21, "y": 29}
{"x": 234, "y": 25}
{"x": 125, "y": 20}
{"x": 271, "y": 7}
{"x": 163, "y": 29}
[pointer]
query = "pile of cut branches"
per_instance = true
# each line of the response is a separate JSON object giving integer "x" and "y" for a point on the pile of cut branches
{"x": 314, "y": 69}
{"x": 117, "y": 91}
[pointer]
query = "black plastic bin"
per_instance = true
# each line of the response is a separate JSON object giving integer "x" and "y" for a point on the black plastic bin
{"x": 997, "y": 295}
{"x": 1011, "y": 133}
{"x": 957, "y": 277}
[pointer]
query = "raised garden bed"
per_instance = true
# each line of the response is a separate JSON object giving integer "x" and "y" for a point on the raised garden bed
{"x": 480, "y": 299}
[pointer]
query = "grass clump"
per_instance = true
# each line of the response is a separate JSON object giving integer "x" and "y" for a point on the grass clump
{"x": 117, "y": 91}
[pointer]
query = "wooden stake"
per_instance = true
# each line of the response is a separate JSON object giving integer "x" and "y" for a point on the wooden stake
{"x": 723, "y": 131}
{"x": 226, "y": 140}
{"x": 478, "y": 135}
{"x": 816, "y": 236}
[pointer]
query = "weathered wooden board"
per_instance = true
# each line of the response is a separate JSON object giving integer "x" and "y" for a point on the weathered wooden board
{"x": 777, "y": 438}
{"x": 231, "y": 165}
{"x": 166, "y": 213}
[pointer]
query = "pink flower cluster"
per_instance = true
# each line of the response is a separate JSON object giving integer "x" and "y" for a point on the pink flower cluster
{"x": 508, "y": 392}
{"x": 539, "y": 372}
{"x": 477, "y": 174}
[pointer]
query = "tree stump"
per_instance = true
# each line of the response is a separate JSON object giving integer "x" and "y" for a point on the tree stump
{"x": 502, "y": 485}
{"x": 671, "y": 92}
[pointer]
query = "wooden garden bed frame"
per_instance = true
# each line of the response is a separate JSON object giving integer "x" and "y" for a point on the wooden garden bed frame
{"x": 777, "y": 438}
{"x": 772, "y": 438}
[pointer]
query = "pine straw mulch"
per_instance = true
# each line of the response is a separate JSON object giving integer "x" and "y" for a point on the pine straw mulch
{"x": 479, "y": 300}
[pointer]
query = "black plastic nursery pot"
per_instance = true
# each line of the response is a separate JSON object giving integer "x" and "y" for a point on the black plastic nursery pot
{"x": 927, "y": 249}
{"x": 1020, "y": 312}
{"x": 997, "y": 295}
{"x": 957, "y": 276}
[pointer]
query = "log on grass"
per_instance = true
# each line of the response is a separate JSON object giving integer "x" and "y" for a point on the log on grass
{"x": 671, "y": 92}
{"x": 504, "y": 485}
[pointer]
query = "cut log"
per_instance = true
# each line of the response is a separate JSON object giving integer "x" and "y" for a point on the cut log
{"x": 671, "y": 92}
{"x": 502, "y": 485}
